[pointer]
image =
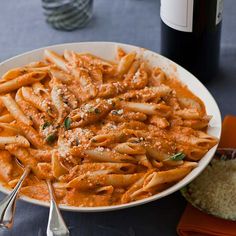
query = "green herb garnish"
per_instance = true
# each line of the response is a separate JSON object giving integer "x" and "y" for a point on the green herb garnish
{"x": 67, "y": 123}
{"x": 46, "y": 124}
{"x": 51, "y": 138}
{"x": 177, "y": 157}
{"x": 97, "y": 111}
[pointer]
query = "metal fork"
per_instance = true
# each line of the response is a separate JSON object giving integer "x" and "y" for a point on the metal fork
{"x": 56, "y": 224}
{"x": 8, "y": 204}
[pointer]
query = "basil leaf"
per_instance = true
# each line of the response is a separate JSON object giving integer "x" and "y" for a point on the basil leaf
{"x": 46, "y": 124}
{"x": 51, "y": 138}
{"x": 67, "y": 122}
{"x": 97, "y": 111}
{"x": 177, "y": 157}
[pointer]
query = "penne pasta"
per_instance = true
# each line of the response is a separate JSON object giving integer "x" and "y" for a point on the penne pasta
{"x": 56, "y": 59}
{"x": 12, "y": 74}
{"x": 104, "y": 132}
{"x": 14, "y": 109}
{"x": 108, "y": 156}
{"x": 168, "y": 176}
{"x": 147, "y": 108}
{"x": 125, "y": 63}
{"x": 57, "y": 168}
{"x": 31, "y": 134}
{"x": 7, "y": 118}
{"x": 20, "y": 81}
{"x": 36, "y": 100}
{"x": 116, "y": 180}
{"x": 130, "y": 148}
{"x": 17, "y": 140}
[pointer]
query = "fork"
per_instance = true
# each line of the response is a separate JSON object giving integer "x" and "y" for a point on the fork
{"x": 56, "y": 225}
{"x": 8, "y": 204}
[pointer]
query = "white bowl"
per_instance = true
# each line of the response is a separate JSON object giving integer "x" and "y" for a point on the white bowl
{"x": 108, "y": 50}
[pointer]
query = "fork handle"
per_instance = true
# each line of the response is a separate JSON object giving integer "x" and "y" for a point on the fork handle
{"x": 56, "y": 224}
{"x": 7, "y": 205}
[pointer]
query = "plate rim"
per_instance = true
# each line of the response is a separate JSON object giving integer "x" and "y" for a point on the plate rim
{"x": 160, "y": 195}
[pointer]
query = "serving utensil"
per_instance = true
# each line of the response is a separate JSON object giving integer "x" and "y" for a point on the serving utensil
{"x": 222, "y": 154}
{"x": 8, "y": 204}
{"x": 56, "y": 224}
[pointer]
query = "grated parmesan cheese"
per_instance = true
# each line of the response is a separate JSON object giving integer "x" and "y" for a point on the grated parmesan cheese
{"x": 215, "y": 189}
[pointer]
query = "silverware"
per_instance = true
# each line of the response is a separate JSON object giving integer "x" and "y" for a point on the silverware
{"x": 8, "y": 204}
{"x": 56, "y": 225}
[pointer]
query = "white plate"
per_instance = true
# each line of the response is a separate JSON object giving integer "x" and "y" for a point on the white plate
{"x": 108, "y": 50}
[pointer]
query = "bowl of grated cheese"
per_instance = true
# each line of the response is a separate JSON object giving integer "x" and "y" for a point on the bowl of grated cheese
{"x": 214, "y": 190}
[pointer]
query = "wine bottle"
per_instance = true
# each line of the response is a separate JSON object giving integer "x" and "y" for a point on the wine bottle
{"x": 190, "y": 35}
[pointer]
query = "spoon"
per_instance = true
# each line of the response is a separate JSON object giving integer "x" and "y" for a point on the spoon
{"x": 56, "y": 225}
{"x": 8, "y": 204}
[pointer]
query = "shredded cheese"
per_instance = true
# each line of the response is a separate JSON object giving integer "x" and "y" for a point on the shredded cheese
{"x": 215, "y": 189}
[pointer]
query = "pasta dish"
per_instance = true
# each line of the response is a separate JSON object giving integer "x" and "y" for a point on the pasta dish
{"x": 104, "y": 132}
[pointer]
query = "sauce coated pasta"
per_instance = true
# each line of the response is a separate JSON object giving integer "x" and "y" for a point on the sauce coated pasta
{"x": 103, "y": 132}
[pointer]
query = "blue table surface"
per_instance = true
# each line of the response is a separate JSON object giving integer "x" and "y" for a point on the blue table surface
{"x": 23, "y": 28}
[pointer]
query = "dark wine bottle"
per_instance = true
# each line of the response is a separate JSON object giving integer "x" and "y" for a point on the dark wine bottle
{"x": 190, "y": 35}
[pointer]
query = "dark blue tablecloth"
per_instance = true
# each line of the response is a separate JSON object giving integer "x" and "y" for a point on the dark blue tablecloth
{"x": 22, "y": 28}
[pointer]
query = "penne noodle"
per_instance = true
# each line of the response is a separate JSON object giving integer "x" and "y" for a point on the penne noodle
{"x": 143, "y": 160}
{"x": 17, "y": 140}
{"x": 108, "y": 156}
{"x": 120, "y": 53}
{"x": 39, "y": 89}
{"x": 82, "y": 76}
{"x": 7, "y": 118}
{"x": 10, "y": 129}
{"x": 107, "y": 139}
{"x": 125, "y": 63}
{"x": 34, "y": 99}
{"x": 14, "y": 109}
{"x": 60, "y": 106}
{"x": 147, "y": 108}
{"x": 130, "y": 148}
{"x": 168, "y": 176}
{"x": 12, "y": 74}
{"x": 20, "y": 81}
{"x": 188, "y": 113}
{"x": 160, "y": 122}
{"x": 61, "y": 76}
{"x": 106, "y": 190}
{"x": 136, "y": 187}
{"x": 30, "y": 111}
{"x": 84, "y": 182}
{"x": 41, "y": 155}
{"x": 107, "y": 67}
{"x": 57, "y": 168}
{"x": 56, "y": 59}
{"x": 158, "y": 77}
{"x": 31, "y": 134}
{"x": 112, "y": 168}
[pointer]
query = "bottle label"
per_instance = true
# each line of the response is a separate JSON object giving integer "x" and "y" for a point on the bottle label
{"x": 178, "y": 14}
{"x": 219, "y": 11}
